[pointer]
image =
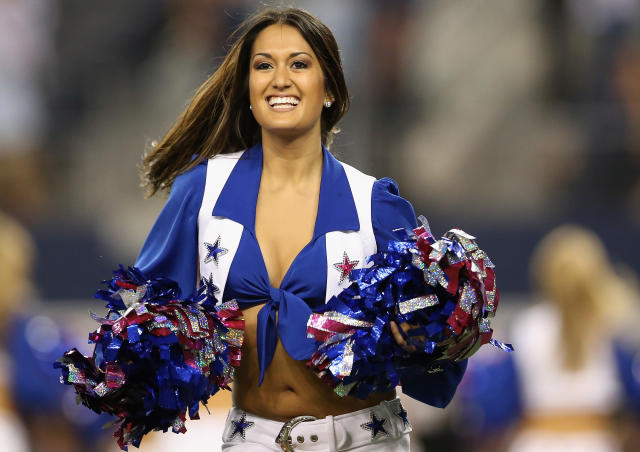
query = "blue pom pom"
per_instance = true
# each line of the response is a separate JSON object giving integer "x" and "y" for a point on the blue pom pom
{"x": 149, "y": 365}
{"x": 444, "y": 289}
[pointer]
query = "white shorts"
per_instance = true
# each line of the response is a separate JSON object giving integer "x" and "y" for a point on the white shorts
{"x": 381, "y": 428}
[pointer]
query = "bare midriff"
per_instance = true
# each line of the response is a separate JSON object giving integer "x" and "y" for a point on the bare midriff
{"x": 289, "y": 388}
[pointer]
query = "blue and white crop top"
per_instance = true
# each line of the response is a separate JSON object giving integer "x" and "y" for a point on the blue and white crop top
{"x": 207, "y": 227}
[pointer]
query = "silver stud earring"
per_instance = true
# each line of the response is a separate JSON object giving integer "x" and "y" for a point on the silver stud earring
{"x": 250, "y": 107}
{"x": 327, "y": 103}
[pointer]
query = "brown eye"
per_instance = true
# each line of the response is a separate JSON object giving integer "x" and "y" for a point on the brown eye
{"x": 299, "y": 65}
{"x": 262, "y": 66}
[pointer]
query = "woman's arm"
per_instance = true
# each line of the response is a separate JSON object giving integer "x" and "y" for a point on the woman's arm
{"x": 171, "y": 248}
{"x": 390, "y": 211}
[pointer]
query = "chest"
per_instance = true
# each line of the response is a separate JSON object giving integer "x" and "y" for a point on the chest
{"x": 246, "y": 256}
{"x": 284, "y": 225}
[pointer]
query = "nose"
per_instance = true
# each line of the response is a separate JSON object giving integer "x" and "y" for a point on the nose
{"x": 281, "y": 77}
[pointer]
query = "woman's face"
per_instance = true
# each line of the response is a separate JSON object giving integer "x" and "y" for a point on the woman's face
{"x": 286, "y": 83}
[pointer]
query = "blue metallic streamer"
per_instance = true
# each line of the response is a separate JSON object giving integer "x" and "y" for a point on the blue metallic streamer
{"x": 396, "y": 288}
{"x": 146, "y": 336}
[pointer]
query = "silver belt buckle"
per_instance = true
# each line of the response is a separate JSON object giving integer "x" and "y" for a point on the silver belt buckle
{"x": 284, "y": 437}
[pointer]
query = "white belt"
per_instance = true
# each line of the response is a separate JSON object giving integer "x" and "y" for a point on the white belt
{"x": 384, "y": 422}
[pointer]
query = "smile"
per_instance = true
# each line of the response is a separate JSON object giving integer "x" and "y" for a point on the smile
{"x": 282, "y": 103}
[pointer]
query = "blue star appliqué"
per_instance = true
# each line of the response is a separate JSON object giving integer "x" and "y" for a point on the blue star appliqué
{"x": 210, "y": 288}
{"x": 240, "y": 425}
{"x": 402, "y": 414}
{"x": 376, "y": 426}
{"x": 214, "y": 251}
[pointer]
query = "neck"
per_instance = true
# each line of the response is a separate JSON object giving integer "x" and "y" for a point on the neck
{"x": 295, "y": 161}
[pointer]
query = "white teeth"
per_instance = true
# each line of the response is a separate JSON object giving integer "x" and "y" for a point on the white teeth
{"x": 277, "y": 100}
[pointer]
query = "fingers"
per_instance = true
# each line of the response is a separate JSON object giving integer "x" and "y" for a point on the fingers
{"x": 399, "y": 338}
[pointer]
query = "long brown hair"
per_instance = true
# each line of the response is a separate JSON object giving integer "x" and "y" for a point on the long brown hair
{"x": 218, "y": 119}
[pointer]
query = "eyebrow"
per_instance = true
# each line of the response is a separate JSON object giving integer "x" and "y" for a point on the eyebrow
{"x": 291, "y": 55}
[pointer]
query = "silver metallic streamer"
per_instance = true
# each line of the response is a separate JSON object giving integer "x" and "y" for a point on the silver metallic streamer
{"x": 434, "y": 275}
{"x": 101, "y": 390}
{"x": 75, "y": 375}
{"x": 466, "y": 240}
{"x": 424, "y": 222}
{"x": 130, "y": 297}
{"x": 460, "y": 233}
{"x": 342, "y": 389}
{"x": 438, "y": 250}
{"x": 234, "y": 337}
{"x": 417, "y": 262}
{"x": 318, "y": 321}
{"x": 491, "y": 299}
{"x": 478, "y": 270}
{"x": 178, "y": 425}
{"x": 343, "y": 368}
{"x": 417, "y": 303}
{"x": 193, "y": 320}
{"x": 468, "y": 297}
{"x": 479, "y": 254}
{"x": 452, "y": 259}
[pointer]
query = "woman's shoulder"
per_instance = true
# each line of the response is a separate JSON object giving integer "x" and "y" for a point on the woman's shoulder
{"x": 389, "y": 210}
{"x": 197, "y": 176}
{"x": 194, "y": 177}
{"x": 380, "y": 188}
{"x": 385, "y": 195}
{"x": 386, "y": 187}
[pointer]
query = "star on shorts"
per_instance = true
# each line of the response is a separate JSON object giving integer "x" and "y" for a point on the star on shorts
{"x": 402, "y": 414}
{"x": 240, "y": 425}
{"x": 376, "y": 426}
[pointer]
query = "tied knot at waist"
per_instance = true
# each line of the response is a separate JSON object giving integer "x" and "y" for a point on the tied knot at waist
{"x": 276, "y": 295}
{"x": 284, "y": 315}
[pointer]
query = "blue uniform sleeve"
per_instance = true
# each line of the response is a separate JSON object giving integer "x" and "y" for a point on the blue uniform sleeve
{"x": 627, "y": 358}
{"x": 390, "y": 211}
{"x": 171, "y": 248}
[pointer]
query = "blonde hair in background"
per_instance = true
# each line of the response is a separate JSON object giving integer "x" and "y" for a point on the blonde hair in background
{"x": 572, "y": 270}
{"x": 16, "y": 261}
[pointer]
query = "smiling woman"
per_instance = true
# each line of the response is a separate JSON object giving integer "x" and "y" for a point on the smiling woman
{"x": 220, "y": 119}
{"x": 286, "y": 84}
{"x": 262, "y": 211}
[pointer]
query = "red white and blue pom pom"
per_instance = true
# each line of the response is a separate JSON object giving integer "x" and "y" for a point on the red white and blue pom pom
{"x": 444, "y": 288}
{"x": 155, "y": 356}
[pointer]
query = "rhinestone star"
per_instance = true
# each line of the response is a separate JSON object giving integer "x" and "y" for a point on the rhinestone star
{"x": 240, "y": 425}
{"x": 210, "y": 288}
{"x": 402, "y": 414}
{"x": 214, "y": 251}
{"x": 345, "y": 267}
{"x": 376, "y": 426}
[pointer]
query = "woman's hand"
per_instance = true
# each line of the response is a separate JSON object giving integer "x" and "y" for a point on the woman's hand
{"x": 399, "y": 336}
{"x": 455, "y": 347}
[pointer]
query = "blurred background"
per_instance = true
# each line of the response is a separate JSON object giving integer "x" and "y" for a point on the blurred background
{"x": 517, "y": 121}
